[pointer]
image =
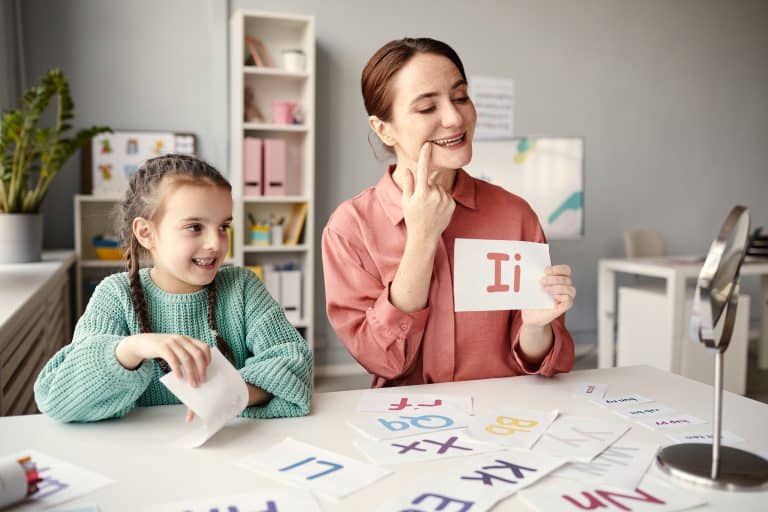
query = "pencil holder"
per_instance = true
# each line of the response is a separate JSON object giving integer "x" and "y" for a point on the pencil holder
{"x": 260, "y": 235}
{"x": 276, "y": 235}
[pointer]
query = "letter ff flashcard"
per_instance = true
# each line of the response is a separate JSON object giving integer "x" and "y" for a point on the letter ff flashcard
{"x": 493, "y": 275}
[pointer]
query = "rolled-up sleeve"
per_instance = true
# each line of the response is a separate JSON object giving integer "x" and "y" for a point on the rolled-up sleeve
{"x": 560, "y": 357}
{"x": 382, "y": 338}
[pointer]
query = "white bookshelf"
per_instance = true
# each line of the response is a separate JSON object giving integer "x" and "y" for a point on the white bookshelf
{"x": 279, "y": 32}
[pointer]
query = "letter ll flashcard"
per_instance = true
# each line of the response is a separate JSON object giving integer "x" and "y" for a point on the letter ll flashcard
{"x": 391, "y": 426}
{"x": 579, "y": 439}
{"x": 273, "y": 501}
{"x": 323, "y": 472}
{"x": 421, "y": 447}
{"x": 376, "y": 400}
{"x": 566, "y": 496}
{"x": 620, "y": 466}
{"x": 492, "y": 275}
{"x": 511, "y": 426}
{"x": 477, "y": 484}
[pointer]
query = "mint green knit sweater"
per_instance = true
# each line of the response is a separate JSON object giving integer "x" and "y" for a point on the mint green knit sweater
{"x": 85, "y": 382}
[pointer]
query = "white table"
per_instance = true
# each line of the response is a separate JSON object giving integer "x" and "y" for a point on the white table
{"x": 677, "y": 273}
{"x": 134, "y": 451}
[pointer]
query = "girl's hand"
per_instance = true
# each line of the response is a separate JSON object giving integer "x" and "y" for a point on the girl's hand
{"x": 190, "y": 415}
{"x": 557, "y": 282}
{"x": 188, "y": 358}
{"x": 427, "y": 208}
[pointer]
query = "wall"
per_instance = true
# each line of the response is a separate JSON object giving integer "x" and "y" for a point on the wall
{"x": 671, "y": 97}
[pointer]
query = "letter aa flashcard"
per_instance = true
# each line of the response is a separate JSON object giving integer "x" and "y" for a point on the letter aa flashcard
{"x": 274, "y": 501}
{"x": 491, "y": 275}
{"x": 664, "y": 422}
{"x": 564, "y": 495}
{"x": 477, "y": 484}
{"x": 428, "y": 446}
{"x": 510, "y": 426}
{"x": 619, "y": 466}
{"x": 391, "y": 426}
{"x": 376, "y": 400}
{"x": 579, "y": 439}
{"x": 321, "y": 471}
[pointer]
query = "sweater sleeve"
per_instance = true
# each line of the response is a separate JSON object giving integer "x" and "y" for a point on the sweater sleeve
{"x": 383, "y": 339}
{"x": 281, "y": 363}
{"x": 84, "y": 381}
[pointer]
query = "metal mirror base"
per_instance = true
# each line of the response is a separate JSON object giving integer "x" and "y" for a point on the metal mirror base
{"x": 738, "y": 470}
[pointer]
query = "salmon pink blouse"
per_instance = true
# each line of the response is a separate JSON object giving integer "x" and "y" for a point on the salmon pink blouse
{"x": 362, "y": 246}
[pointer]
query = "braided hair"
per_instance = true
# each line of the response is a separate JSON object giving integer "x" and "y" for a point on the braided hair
{"x": 142, "y": 200}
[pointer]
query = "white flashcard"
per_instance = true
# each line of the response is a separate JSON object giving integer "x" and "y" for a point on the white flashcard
{"x": 624, "y": 400}
{"x": 511, "y": 426}
{"x": 274, "y": 501}
{"x": 705, "y": 436}
{"x": 220, "y": 398}
{"x": 477, "y": 484}
{"x": 321, "y": 471}
{"x": 566, "y": 496}
{"x": 579, "y": 439}
{"x": 646, "y": 411}
{"x": 663, "y": 422}
{"x": 491, "y": 275}
{"x": 61, "y": 481}
{"x": 375, "y": 400}
{"x": 82, "y": 508}
{"x": 391, "y": 426}
{"x": 620, "y": 466}
{"x": 590, "y": 391}
{"x": 763, "y": 454}
{"x": 437, "y": 445}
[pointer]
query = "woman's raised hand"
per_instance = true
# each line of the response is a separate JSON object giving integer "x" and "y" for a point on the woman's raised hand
{"x": 557, "y": 282}
{"x": 427, "y": 208}
{"x": 188, "y": 357}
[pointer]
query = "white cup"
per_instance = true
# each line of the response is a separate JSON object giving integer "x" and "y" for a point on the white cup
{"x": 294, "y": 60}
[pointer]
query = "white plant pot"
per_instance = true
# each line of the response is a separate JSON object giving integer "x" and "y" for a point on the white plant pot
{"x": 21, "y": 237}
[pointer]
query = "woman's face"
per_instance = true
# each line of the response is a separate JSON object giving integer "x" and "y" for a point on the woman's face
{"x": 430, "y": 104}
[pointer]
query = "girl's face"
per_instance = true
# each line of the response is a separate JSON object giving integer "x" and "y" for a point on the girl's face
{"x": 190, "y": 235}
{"x": 430, "y": 104}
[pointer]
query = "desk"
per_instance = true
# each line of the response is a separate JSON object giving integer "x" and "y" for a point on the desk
{"x": 134, "y": 451}
{"x": 676, "y": 273}
{"x": 34, "y": 323}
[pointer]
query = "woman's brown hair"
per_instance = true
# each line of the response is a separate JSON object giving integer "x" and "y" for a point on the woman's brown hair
{"x": 376, "y": 80}
{"x": 142, "y": 200}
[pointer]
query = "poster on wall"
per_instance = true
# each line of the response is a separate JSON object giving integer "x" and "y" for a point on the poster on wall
{"x": 548, "y": 172}
{"x": 113, "y": 157}
{"x": 494, "y": 100}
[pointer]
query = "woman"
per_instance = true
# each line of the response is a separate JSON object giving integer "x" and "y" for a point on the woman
{"x": 388, "y": 252}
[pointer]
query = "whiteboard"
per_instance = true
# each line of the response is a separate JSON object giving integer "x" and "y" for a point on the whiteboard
{"x": 548, "y": 172}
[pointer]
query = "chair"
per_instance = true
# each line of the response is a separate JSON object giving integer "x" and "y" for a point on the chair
{"x": 644, "y": 243}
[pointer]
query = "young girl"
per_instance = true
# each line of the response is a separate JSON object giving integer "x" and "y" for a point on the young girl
{"x": 141, "y": 323}
{"x": 388, "y": 252}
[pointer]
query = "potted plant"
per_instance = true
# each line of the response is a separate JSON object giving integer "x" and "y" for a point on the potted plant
{"x": 30, "y": 157}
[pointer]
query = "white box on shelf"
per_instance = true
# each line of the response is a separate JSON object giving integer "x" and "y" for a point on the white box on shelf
{"x": 290, "y": 294}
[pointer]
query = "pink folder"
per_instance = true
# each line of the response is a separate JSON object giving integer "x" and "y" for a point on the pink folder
{"x": 253, "y": 175}
{"x": 274, "y": 167}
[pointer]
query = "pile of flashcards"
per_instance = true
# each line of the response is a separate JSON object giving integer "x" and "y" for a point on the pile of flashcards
{"x": 558, "y": 462}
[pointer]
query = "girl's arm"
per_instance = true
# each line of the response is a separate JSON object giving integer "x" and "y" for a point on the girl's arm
{"x": 279, "y": 372}
{"x": 84, "y": 381}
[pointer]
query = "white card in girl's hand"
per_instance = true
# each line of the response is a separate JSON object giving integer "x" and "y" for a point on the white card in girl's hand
{"x": 381, "y": 400}
{"x": 220, "y": 398}
{"x": 492, "y": 275}
{"x": 511, "y": 426}
{"x": 391, "y": 426}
